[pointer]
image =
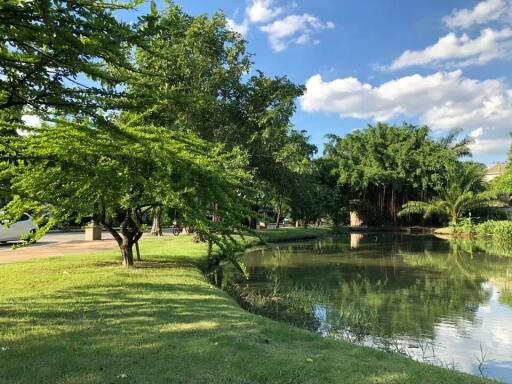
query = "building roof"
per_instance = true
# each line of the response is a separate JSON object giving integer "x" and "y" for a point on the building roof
{"x": 496, "y": 169}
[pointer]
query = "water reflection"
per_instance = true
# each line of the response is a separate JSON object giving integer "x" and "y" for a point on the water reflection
{"x": 355, "y": 239}
{"x": 419, "y": 295}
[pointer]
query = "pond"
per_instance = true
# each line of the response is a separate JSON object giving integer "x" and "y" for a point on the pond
{"x": 446, "y": 303}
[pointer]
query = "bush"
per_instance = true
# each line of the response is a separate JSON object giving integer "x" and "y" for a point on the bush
{"x": 464, "y": 225}
{"x": 500, "y": 230}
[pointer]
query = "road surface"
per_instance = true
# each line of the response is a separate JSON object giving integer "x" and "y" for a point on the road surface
{"x": 57, "y": 244}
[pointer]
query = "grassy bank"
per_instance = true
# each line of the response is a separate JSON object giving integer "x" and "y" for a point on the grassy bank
{"x": 492, "y": 236}
{"x": 84, "y": 319}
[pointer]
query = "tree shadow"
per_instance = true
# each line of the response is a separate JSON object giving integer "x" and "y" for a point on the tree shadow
{"x": 156, "y": 324}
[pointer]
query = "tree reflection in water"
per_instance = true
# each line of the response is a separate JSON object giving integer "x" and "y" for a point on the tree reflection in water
{"x": 374, "y": 288}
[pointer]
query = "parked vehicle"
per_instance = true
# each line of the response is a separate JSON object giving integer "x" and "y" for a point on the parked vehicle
{"x": 17, "y": 230}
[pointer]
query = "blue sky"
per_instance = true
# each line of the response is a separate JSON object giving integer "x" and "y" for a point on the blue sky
{"x": 443, "y": 63}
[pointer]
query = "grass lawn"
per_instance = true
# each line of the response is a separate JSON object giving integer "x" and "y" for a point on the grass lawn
{"x": 85, "y": 319}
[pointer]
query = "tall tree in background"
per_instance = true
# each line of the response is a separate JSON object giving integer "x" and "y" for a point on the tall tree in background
{"x": 195, "y": 66}
{"x": 277, "y": 153}
{"x": 334, "y": 197}
{"x": 292, "y": 181}
{"x": 385, "y": 166}
{"x": 197, "y": 84}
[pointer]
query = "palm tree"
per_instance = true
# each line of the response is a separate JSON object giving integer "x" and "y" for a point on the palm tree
{"x": 464, "y": 192}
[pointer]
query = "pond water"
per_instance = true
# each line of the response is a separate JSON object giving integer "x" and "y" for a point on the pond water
{"x": 447, "y": 303}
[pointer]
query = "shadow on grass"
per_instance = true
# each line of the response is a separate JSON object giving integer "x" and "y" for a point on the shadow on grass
{"x": 151, "y": 264}
{"x": 92, "y": 333}
{"x": 160, "y": 324}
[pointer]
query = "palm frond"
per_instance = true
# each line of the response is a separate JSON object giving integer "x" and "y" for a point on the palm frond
{"x": 414, "y": 207}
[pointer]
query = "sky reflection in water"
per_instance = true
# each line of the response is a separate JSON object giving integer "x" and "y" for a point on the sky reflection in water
{"x": 444, "y": 302}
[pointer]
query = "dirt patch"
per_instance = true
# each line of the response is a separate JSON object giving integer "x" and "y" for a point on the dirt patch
{"x": 38, "y": 251}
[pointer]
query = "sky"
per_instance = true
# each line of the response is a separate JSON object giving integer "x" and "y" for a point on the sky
{"x": 441, "y": 63}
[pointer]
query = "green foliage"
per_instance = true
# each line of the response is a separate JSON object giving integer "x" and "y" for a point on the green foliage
{"x": 495, "y": 230}
{"x": 79, "y": 170}
{"x": 463, "y": 225}
{"x": 197, "y": 65}
{"x": 333, "y": 197}
{"x": 190, "y": 132}
{"x": 189, "y": 73}
{"x": 48, "y": 46}
{"x": 385, "y": 166}
{"x": 462, "y": 193}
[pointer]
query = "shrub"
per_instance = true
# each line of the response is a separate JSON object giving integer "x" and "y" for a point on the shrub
{"x": 500, "y": 230}
{"x": 464, "y": 225}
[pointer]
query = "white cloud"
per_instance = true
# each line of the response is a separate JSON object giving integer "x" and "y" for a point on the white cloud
{"x": 261, "y": 11}
{"x": 476, "y": 133}
{"x": 488, "y": 140}
{"x": 443, "y": 100}
{"x": 282, "y": 32}
{"x": 460, "y": 50}
{"x": 484, "y": 12}
{"x": 294, "y": 29}
{"x": 242, "y": 28}
{"x": 490, "y": 144}
{"x": 454, "y": 50}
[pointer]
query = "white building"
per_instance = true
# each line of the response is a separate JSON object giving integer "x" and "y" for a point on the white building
{"x": 494, "y": 171}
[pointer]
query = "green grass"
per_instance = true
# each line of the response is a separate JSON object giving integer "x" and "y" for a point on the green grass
{"x": 506, "y": 297}
{"x": 85, "y": 319}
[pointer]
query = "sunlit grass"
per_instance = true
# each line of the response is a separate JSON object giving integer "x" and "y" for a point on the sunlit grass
{"x": 85, "y": 319}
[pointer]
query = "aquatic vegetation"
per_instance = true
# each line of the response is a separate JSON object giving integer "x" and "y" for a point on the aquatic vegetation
{"x": 395, "y": 292}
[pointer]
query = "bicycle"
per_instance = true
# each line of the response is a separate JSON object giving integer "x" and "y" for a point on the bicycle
{"x": 175, "y": 229}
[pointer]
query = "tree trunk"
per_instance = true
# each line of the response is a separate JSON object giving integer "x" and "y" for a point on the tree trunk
{"x": 279, "y": 208}
{"x": 127, "y": 252}
{"x": 129, "y": 234}
{"x": 138, "y": 250}
{"x": 156, "y": 228}
{"x": 214, "y": 213}
{"x": 453, "y": 219}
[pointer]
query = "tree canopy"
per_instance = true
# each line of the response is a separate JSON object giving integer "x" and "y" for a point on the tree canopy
{"x": 175, "y": 122}
{"x": 385, "y": 166}
{"x": 55, "y": 55}
{"x": 71, "y": 168}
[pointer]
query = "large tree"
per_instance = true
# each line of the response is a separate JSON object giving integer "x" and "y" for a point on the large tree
{"x": 198, "y": 84}
{"x": 180, "y": 74}
{"x": 72, "y": 169}
{"x": 385, "y": 166}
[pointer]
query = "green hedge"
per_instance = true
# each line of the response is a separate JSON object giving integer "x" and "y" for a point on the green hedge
{"x": 499, "y": 230}
{"x": 494, "y": 229}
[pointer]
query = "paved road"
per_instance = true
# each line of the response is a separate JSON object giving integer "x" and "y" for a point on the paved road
{"x": 54, "y": 238}
{"x": 57, "y": 244}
